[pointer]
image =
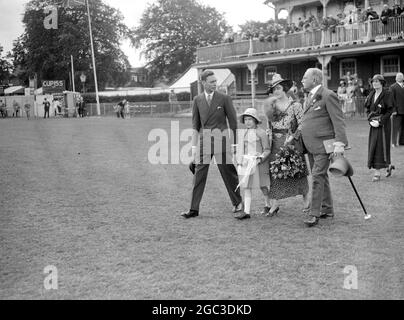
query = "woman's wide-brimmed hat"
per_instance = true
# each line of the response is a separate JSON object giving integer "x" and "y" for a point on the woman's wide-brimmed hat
{"x": 380, "y": 78}
{"x": 251, "y": 112}
{"x": 340, "y": 167}
{"x": 277, "y": 79}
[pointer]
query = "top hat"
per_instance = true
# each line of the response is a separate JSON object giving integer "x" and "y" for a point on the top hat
{"x": 251, "y": 112}
{"x": 340, "y": 167}
{"x": 277, "y": 79}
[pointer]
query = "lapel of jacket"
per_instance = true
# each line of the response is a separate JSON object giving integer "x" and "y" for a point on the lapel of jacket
{"x": 310, "y": 103}
{"x": 211, "y": 108}
{"x": 203, "y": 107}
{"x": 380, "y": 97}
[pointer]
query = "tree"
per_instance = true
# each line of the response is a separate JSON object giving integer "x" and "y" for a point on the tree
{"x": 5, "y": 68}
{"x": 46, "y": 52}
{"x": 171, "y": 30}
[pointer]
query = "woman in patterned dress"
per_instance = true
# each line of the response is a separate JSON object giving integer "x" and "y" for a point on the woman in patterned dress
{"x": 284, "y": 117}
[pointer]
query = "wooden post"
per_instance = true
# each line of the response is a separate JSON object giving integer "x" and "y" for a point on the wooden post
{"x": 324, "y": 60}
{"x": 252, "y": 67}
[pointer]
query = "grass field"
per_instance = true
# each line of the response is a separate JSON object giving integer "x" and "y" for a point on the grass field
{"x": 80, "y": 194}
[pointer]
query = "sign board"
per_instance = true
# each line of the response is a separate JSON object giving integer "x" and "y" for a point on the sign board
{"x": 53, "y": 86}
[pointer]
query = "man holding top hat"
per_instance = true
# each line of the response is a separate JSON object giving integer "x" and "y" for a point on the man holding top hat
{"x": 322, "y": 133}
{"x": 210, "y": 114}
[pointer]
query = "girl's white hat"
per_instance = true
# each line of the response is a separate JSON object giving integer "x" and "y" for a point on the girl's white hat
{"x": 251, "y": 112}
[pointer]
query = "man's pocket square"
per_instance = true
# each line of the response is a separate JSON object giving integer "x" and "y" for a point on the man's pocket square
{"x": 317, "y": 108}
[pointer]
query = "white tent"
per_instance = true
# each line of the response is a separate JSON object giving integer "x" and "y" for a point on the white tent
{"x": 14, "y": 90}
{"x": 183, "y": 83}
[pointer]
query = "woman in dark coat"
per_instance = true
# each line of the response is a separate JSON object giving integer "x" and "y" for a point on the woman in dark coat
{"x": 379, "y": 108}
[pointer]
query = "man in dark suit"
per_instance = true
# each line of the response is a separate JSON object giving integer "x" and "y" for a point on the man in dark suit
{"x": 323, "y": 120}
{"x": 396, "y": 11}
{"x": 397, "y": 95}
{"x": 386, "y": 14}
{"x": 210, "y": 111}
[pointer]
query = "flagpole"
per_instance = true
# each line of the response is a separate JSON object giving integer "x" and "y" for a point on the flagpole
{"x": 74, "y": 87}
{"x": 93, "y": 59}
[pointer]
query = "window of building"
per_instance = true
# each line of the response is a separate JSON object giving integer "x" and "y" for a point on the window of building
{"x": 390, "y": 65}
{"x": 269, "y": 72}
{"x": 134, "y": 78}
{"x": 255, "y": 76}
{"x": 347, "y": 65}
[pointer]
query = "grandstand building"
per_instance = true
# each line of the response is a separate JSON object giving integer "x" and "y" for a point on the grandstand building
{"x": 359, "y": 47}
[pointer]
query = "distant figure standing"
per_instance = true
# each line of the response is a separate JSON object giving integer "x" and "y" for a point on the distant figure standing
{"x": 172, "y": 98}
{"x": 46, "y": 105}
{"x": 27, "y": 108}
{"x": 397, "y": 94}
{"x": 82, "y": 106}
{"x": 57, "y": 107}
{"x": 16, "y": 107}
{"x": 3, "y": 109}
{"x": 379, "y": 107}
{"x": 121, "y": 108}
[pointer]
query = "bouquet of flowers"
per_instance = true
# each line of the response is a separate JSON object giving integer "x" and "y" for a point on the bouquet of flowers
{"x": 289, "y": 163}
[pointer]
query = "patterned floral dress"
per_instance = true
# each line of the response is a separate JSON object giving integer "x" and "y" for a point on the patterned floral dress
{"x": 284, "y": 125}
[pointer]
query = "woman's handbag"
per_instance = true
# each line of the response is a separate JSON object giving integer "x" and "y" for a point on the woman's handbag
{"x": 375, "y": 117}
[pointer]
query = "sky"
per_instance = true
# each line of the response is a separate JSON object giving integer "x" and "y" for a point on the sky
{"x": 236, "y": 12}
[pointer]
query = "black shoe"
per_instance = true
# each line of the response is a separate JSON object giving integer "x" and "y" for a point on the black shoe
{"x": 190, "y": 214}
{"x": 311, "y": 221}
{"x": 271, "y": 214}
{"x": 389, "y": 170}
{"x": 326, "y": 215}
{"x": 242, "y": 216}
{"x": 265, "y": 210}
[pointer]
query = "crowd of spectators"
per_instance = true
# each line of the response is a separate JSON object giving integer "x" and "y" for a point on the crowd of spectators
{"x": 352, "y": 93}
{"x": 273, "y": 30}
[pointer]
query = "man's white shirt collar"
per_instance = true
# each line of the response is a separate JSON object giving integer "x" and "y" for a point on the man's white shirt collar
{"x": 209, "y": 94}
{"x": 314, "y": 90}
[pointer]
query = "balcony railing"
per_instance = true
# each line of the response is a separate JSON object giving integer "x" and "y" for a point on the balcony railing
{"x": 373, "y": 30}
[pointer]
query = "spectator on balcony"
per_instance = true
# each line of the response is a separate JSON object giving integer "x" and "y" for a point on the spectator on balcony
{"x": 396, "y": 11}
{"x": 370, "y": 14}
{"x": 386, "y": 14}
{"x": 329, "y": 23}
{"x": 349, "y": 19}
{"x": 300, "y": 24}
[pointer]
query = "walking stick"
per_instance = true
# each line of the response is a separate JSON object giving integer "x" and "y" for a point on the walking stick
{"x": 367, "y": 216}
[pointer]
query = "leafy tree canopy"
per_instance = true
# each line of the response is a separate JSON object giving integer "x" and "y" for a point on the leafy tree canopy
{"x": 171, "y": 30}
{"x": 47, "y": 52}
{"x": 5, "y": 68}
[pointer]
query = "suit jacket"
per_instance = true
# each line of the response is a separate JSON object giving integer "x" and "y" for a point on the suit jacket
{"x": 397, "y": 96}
{"x": 210, "y": 123}
{"x": 322, "y": 120}
{"x": 383, "y": 105}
